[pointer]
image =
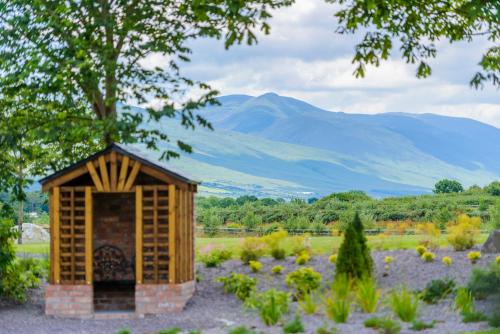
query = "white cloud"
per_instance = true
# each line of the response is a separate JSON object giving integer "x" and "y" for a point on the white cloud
{"x": 304, "y": 58}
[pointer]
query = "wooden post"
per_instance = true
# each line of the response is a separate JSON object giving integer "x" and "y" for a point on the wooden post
{"x": 55, "y": 234}
{"x": 88, "y": 235}
{"x": 138, "y": 235}
{"x": 113, "y": 171}
{"x": 171, "y": 233}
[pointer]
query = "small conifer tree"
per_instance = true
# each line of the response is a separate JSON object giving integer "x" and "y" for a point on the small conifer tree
{"x": 354, "y": 259}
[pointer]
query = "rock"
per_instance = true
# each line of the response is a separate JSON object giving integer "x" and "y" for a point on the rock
{"x": 33, "y": 233}
{"x": 492, "y": 244}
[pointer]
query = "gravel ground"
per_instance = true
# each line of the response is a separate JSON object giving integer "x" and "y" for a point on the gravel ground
{"x": 214, "y": 312}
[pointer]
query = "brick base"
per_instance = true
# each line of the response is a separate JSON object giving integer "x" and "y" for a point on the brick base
{"x": 74, "y": 301}
{"x": 162, "y": 298}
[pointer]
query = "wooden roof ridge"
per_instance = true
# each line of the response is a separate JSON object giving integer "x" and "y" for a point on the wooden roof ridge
{"x": 131, "y": 152}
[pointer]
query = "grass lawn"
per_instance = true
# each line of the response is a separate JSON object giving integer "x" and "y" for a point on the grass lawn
{"x": 320, "y": 245}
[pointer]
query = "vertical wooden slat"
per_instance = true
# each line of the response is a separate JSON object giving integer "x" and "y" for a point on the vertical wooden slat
{"x": 88, "y": 235}
{"x": 138, "y": 234}
{"x": 155, "y": 232}
{"x": 51, "y": 221}
{"x": 56, "y": 234}
{"x": 123, "y": 173}
{"x": 72, "y": 233}
{"x": 113, "y": 171}
{"x": 191, "y": 236}
{"x": 133, "y": 174}
{"x": 171, "y": 234}
{"x": 103, "y": 168}
{"x": 94, "y": 176}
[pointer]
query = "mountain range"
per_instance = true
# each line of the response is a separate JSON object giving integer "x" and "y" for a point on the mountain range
{"x": 278, "y": 146}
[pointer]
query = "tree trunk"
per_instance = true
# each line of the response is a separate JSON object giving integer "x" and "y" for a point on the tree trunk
{"x": 20, "y": 222}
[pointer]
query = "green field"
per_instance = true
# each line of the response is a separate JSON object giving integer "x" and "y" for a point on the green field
{"x": 320, "y": 245}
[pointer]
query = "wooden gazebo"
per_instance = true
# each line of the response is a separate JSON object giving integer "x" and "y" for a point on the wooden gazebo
{"x": 122, "y": 236}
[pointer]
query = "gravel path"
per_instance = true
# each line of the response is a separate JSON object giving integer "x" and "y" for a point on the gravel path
{"x": 214, "y": 312}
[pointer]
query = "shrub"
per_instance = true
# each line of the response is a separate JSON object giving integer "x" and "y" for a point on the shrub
{"x": 367, "y": 295}
{"x": 271, "y": 305}
{"x": 302, "y": 259}
{"x": 309, "y": 304}
{"x": 251, "y": 221}
{"x": 404, "y": 304}
{"x": 386, "y": 325}
{"x": 239, "y": 284}
{"x": 301, "y": 244}
{"x": 294, "y": 326}
{"x": 437, "y": 289}
{"x": 241, "y": 330}
{"x": 277, "y": 270}
{"x": 170, "y": 331}
{"x": 274, "y": 242}
{"x": 212, "y": 222}
{"x": 303, "y": 281}
{"x": 278, "y": 253}
{"x": 17, "y": 278}
{"x": 430, "y": 235}
{"x": 342, "y": 286}
{"x": 428, "y": 256}
{"x": 252, "y": 249}
{"x": 485, "y": 282}
{"x": 463, "y": 234}
{"x": 388, "y": 259}
{"x": 333, "y": 258}
{"x": 214, "y": 256}
{"x": 421, "y": 250}
{"x": 326, "y": 330}
{"x": 473, "y": 316}
{"x": 494, "y": 320}
{"x": 447, "y": 261}
{"x": 354, "y": 259}
{"x": 337, "y": 308}
{"x": 497, "y": 260}
{"x": 255, "y": 266}
{"x": 419, "y": 325}
{"x": 124, "y": 331}
{"x": 474, "y": 256}
{"x": 464, "y": 303}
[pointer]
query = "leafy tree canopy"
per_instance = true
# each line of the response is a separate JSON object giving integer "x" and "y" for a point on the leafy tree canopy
{"x": 446, "y": 186}
{"x": 493, "y": 188}
{"x": 415, "y": 26}
{"x": 67, "y": 66}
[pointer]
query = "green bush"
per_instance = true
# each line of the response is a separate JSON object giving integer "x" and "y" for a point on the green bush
{"x": 437, "y": 289}
{"x": 354, "y": 259}
{"x": 294, "y": 326}
{"x": 214, "y": 256}
{"x": 278, "y": 253}
{"x": 419, "y": 325}
{"x": 337, "y": 308}
{"x": 255, "y": 266}
{"x": 464, "y": 301}
{"x": 252, "y": 249}
{"x": 239, "y": 284}
{"x": 485, "y": 282}
{"x": 309, "y": 304}
{"x": 271, "y": 305}
{"x": 303, "y": 281}
{"x": 385, "y": 325}
{"x": 302, "y": 259}
{"x": 212, "y": 222}
{"x": 326, "y": 330}
{"x": 367, "y": 295}
{"x": 473, "y": 316}
{"x": 242, "y": 330}
{"x": 124, "y": 331}
{"x": 175, "y": 330}
{"x": 276, "y": 270}
{"x": 494, "y": 320}
{"x": 404, "y": 304}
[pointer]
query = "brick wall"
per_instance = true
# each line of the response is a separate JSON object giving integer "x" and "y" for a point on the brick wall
{"x": 114, "y": 224}
{"x": 74, "y": 301}
{"x": 162, "y": 298}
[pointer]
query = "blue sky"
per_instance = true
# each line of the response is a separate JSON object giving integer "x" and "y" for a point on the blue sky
{"x": 304, "y": 58}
